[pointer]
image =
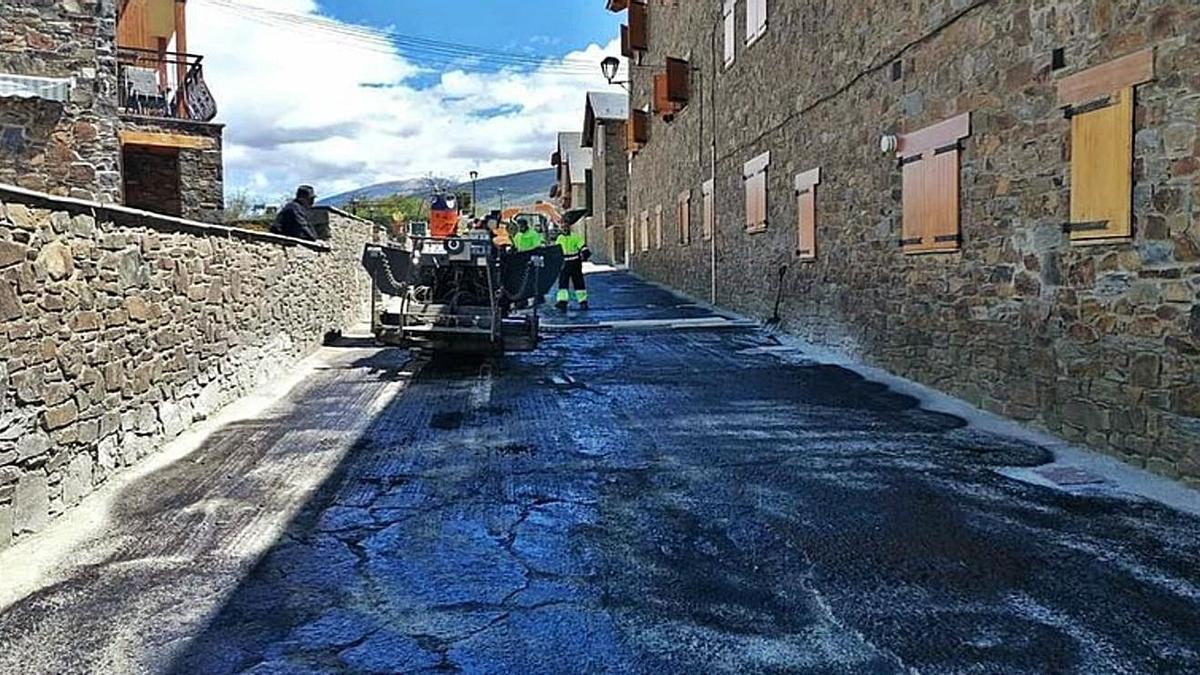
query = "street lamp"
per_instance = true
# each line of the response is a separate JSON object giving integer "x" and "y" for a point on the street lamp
{"x": 610, "y": 66}
{"x": 474, "y": 177}
{"x": 501, "y": 191}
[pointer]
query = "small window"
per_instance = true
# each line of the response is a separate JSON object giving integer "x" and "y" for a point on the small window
{"x": 754, "y": 174}
{"x": 684, "y": 214}
{"x": 679, "y": 74}
{"x": 730, "y": 32}
{"x": 645, "y": 231}
{"x": 1099, "y": 103}
{"x": 589, "y": 188}
{"x": 929, "y": 161}
{"x": 756, "y": 20}
{"x": 806, "y": 214}
{"x": 709, "y": 214}
{"x": 658, "y": 227}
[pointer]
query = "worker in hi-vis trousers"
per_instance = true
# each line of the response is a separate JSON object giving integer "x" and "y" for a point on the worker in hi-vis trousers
{"x": 575, "y": 252}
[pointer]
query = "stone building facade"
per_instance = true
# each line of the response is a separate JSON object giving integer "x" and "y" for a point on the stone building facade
{"x": 121, "y": 329}
{"x": 88, "y": 146}
{"x": 67, "y": 147}
{"x": 604, "y": 133}
{"x": 1098, "y": 342}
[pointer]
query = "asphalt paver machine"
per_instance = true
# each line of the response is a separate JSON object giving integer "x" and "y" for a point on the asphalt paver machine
{"x": 460, "y": 294}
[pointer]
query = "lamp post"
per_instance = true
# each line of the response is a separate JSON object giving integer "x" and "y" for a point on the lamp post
{"x": 501, "y": 191}
{"x": 610, "y": 66}
{"x": 474, "y": 177}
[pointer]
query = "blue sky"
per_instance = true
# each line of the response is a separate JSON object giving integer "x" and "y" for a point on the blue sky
{"x": 325, "y": 105}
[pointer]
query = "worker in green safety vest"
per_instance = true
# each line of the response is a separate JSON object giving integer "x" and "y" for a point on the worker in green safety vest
{"x": 526, "y": 238}
{"x": 575, "y": 252}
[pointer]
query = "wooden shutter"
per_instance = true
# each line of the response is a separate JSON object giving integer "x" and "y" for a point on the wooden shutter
{"x": 730, "y": 32}
{"x": 1100, "y": 104}
{"x": 658, "y": 232}
{"x": 706, "y": 190}
{"x": 678, "y": 81}
{"x": 638, "y": 35}
{"x": 685, "y": 217}
{"x": 626, "y": 49}
{"x": 663, "y": 106}
{"x": 590, "y": 187}
{"x": 645, "y": 231}
{"x": 754, "y": 173}
{"x": 637, "y": 130}
{"x": 806, "y": 214}
{"x": 929, "y": 160}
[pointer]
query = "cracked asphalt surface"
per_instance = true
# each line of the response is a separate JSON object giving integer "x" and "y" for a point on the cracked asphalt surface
{"x": 656, "y": 500}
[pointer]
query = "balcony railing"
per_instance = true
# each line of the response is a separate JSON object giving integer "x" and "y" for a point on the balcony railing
{"x": 164, "y": 84}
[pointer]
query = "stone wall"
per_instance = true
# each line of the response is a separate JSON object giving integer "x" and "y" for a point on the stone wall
{"x": 67, "y": 149}
{"x": 120, "y": 329}
{"x": 201, "y": 175}
{"x": 1099, "y": 344}
{"x": 610, "y": 185}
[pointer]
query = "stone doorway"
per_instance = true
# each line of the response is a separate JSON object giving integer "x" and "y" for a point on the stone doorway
{"x": 151, "y": 179}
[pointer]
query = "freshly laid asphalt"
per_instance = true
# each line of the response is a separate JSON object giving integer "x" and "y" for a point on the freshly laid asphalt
{"x": 634, "y": 497}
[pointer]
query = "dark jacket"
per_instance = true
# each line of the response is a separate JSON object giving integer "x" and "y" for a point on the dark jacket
{"x": 292, "y": 221}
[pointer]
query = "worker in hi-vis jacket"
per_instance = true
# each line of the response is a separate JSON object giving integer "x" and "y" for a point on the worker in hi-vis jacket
{"x": 575, "y": 252}
{"x": 526, "y": 238}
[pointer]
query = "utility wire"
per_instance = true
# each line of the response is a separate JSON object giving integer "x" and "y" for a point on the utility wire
{"x": 427, "y": 51}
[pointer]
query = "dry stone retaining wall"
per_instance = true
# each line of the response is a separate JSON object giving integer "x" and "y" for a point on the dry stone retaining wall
{"x": 119, "y": 329}
{"x": 1099, "y": 344}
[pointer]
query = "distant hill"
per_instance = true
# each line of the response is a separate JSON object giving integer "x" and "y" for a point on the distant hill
{"x": 519, "y": 188}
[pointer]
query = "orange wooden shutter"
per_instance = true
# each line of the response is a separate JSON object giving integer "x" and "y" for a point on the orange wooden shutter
{"x": 1102, "y": 170}
{"x": 929, "y": 160}
{"x": 645, "y": 230}
{"x": 806, "y": 214}
{"x": 685, "y": 218}
{"x": 626, "y": 50}
{"x": 638, "y": 35}
{"x": 678, "y": 76}
{"x": 730, "y": 33}
{"x": 662, "y": 102}
{"x": 637, "y": 130}
{"x": 755, "y": 175}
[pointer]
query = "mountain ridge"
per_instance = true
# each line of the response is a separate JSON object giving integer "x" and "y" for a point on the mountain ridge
{"x": 520, "y": 187}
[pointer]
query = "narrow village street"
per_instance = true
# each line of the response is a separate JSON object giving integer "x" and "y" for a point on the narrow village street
{"x": 658, "y": 489}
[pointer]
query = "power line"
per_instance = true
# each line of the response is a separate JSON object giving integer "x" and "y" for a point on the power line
{"x": 423, "y": 50}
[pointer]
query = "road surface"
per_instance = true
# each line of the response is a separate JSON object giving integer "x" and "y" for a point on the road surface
{"x": 638, "y": 496}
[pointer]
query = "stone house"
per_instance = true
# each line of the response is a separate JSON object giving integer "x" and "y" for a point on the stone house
{"x": 573, "y": 165}
{"x": 604, "y": 119}
{"x": 998, "y": 199}
{"x": 101, "y": 100}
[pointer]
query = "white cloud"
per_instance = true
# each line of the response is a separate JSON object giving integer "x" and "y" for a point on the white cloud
{"x": 298, "y": 107}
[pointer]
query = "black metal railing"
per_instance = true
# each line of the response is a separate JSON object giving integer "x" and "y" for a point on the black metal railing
{"x": 169, "y": 85}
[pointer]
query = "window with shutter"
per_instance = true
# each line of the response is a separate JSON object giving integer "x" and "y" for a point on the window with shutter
{"x": 589, "y": 187}
{"x": 709, "y": 215}
{"x": 756, "y": 19}
{"x": 730, "y": 32}
{"x": 754, "y": 173}
{"x": 685, "y": 218}
{"x": 638, "y": 35}
{"x": 1100, "y": 105}
{"x": 626, "y": 49}
{"x": 645, "y": 231}
{"x": 929, "y": 161}
{"x": 658, "y": 227}
{"x": 806, "y": 214}
{"x": 637, "y": 130}
{"x": 664, "y": 107}
{"x": 679, "y": 74}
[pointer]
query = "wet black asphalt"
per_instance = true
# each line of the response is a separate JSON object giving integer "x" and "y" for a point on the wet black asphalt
{"x": 672, "y": 499}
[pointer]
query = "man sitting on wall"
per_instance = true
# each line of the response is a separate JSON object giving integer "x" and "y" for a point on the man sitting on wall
{"x": 292, "y": 220}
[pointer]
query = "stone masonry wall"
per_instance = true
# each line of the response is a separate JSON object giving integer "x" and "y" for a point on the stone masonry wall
{"x": 69, "y": 149}
{"x": 1099, "y": 344}
{"x": 120, "y": 330}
